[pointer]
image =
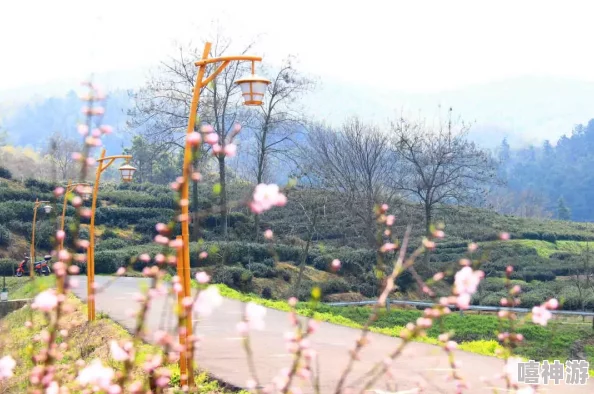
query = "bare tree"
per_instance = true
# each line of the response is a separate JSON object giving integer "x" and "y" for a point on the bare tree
{"x": 439, "y": 165}
{"x": 277, "y": 122}
{"x": 162, "y": 107}
{"x": 583, "y": 277}
{"x": 59, "y": 152}
{"x": 356, "y": 162}
{"x": 312, "y": 204}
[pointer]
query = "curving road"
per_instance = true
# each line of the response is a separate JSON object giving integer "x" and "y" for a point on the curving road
{"x": 221, "y": 352}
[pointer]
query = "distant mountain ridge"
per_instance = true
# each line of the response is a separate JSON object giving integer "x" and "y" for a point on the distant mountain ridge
{"x": 526, "y": 110}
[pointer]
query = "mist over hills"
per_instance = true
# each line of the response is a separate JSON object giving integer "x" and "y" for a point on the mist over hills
{"x": 525, "y": 110}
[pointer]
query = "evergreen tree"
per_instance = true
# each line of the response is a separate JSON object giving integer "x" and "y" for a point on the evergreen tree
{"x": 563, "y": 212}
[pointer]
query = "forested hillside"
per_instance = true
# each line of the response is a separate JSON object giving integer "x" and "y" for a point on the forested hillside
{"x": 559, "y": 178}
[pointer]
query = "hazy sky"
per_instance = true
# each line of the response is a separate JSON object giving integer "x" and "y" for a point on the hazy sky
{"x": 415, "y": 46}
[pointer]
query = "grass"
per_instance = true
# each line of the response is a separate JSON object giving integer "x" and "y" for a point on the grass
{"x": 87, "y": 341}
{"x": 29, "y": 288}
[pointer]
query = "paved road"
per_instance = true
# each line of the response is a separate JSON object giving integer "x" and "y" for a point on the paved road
{"x": 221, "y": 352}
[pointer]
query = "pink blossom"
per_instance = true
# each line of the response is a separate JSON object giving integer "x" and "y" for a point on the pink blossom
{"x": 211, "y": 138}
{"x": 439, "y": 234}
{"x": 96, "y": 374}
{"x": 83, "y": 129}
{"x": 438, "y": 276}
{"x": 254, "y": 315}
{"x": 176, "y": 244}
{"x": 335, "y": 264}
{"x": 467, "y": 280}
{"x": 230, "y": 150}
{"x": 63, "y": 255}
{"x": 451, "y": 345}
{"x": 292, "y": 301}
{"x": 160, "y": 258}
{"x": 121, "y": 271}
{"x": 45, "y": 301}
{"x": 193, "y": 138}
{"x": 203, "y": 255}
{"x": 540, "y": 315}
{"x": 117, "y": 353}
{"x": 106, "y": 129}
{"x": 202, "y": 277}
{"x": 504, "y": 236}
{"x": 388, "y": 246}
{"x": 60, "y": 235}
{"x": 196, "y": 176}
{"x": 161, "y": 227}
{"x": 145, "y": 257}
{"x": 208, "y": 300}
{"x": 268, "y": 234}
{"x": 463, "y": 301}
{"x": 216, "y": 149}
{"x": 77, "y": 201}
{"x": 384, "y": 207}
{"x": 552, "y": 304}
{"x": 160, "y": 239}
{"x": 207, "y": 129}
{"x": 472, "y": 247}
{"x": 7, "y": 365}
{"x": 58, "y": 191}
{"x": 390, "y": 219}
{"x": 267, "y": 196}
{"x": 424, "y": 322}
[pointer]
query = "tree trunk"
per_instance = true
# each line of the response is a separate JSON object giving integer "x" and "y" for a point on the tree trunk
{"x": 223, "y": 197}
{"x": 424, "y": 269}
{"x": 304, "y": 259}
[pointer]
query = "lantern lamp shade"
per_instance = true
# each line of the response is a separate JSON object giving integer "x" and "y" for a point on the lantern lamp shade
{"x": 127, "y": 171}
{"x": 253, "y": 89}
{"x": 86, "y": 193}
{"x": 47, "y": 208}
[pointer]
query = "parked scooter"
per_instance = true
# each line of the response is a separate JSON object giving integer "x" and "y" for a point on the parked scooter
{"x": 39, "y": 267}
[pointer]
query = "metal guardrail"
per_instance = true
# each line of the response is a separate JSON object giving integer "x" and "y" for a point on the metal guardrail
{"x": 453, "y": 307}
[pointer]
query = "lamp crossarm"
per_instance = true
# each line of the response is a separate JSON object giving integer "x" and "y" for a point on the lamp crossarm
{"x": 215, "y": 73}
{"x": 111, "y": 159}
{"x": 239, "y": 58}
{"x": 74, "y": 186}
{"x": 38, "y": 203}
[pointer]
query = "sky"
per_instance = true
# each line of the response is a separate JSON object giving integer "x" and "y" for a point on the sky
{"x": 413, "y": 47}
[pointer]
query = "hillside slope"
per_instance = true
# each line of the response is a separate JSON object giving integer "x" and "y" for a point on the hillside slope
{"x": 546, "y": 254}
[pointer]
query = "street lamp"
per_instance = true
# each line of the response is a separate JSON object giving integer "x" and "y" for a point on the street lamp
{"x": 102, "y": 164}
{"x": 47, "y": 209}
{"x": 253, "y": 89}
{"x": 126, "y": 172}
{"x": 86, "y": 194}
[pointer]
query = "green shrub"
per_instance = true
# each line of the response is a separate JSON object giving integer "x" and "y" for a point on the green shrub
{"x": 8, "y": 267}
{"x": 234, "y": 277}
{"x": 266, "y": 293}
{"x": 112, "y": 243}
{"x": 262, "y": 271}
{"x": 42, "y": 186}
{"x": 4, "y": 236}
{"x": 334, "y": 286}
{"x": 5, "y": 173}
